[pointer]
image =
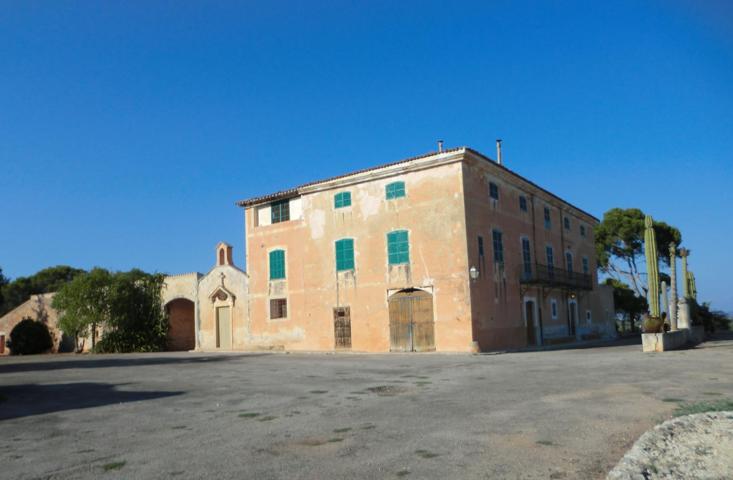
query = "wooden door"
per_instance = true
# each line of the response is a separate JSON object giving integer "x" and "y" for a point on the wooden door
{"x": 529, "y": 315}
{"x": 411, "y": 324}
{"x": 342, "y": 327}
{"x": 223, "y": 328}
{"x": 573, "y": 314}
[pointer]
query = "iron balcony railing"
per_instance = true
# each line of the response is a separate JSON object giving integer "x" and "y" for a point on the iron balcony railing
{"x": 554, "y": 277}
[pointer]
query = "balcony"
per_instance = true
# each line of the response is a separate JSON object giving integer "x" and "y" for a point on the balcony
{"x": 549, "y": 276}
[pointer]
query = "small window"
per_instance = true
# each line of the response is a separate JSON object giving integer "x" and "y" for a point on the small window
{"x": 398, "y": 247}
{"x": 582, "y": 230}
{"x": 280, "y": 211}
{"x": 553, "y": 308}
{"x": 523, "y": 203}
{"x": 569, "y": 262}
{"x": 342, "y": 199}
{"x": 498, "y": 246}
{"x": 480, "y": 246}
{"x": 548, "y": 219}
{"x": 277, "y": 264}
{"x": 550, "y": 260}
{"x": 494, "y": 191}
{"x": 587, "y": 316}
{"x": 395, "y": 190}
{"x": 278, "y": 308}
{"x": 586, "y": 266}
{"x": 566, "y": 222}
{"x": 344, "y": 254}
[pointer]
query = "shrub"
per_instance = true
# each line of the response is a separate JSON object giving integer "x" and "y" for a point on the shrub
{"x": 30, "y": 337}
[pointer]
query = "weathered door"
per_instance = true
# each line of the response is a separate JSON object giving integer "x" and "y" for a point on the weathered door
{"x": 223, "y": 328}
{"x": 529, "y": 315}
{"x": 342, "y": 326}
{"x": 411, "y": 323}
{"x": 573, "y": 317}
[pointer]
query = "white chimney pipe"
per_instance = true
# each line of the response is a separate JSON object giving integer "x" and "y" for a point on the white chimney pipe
{"x": 440, "y": 146}
{"x": 498, "y": 151}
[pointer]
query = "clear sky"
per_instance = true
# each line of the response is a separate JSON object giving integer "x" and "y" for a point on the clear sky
{"x": 127, "y": 132}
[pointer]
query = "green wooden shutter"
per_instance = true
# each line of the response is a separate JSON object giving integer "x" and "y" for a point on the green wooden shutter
{"x": 277, "y": 264}
{"x": 345, "y": 254}
{"x": 398, "y": 247}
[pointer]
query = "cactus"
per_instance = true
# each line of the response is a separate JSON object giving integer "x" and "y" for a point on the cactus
{"x": 672, "y": 305}
{"x": 692, "y": 285}
{"x": 652, "y": 265}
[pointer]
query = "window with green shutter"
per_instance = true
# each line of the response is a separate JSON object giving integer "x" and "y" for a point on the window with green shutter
{"x": 342, "y": 199}
{"x": 395, "y": 190}
{"x": 398, "y": 247}
{"x": 344, "y": 254}
{"x": 277, "y": 264}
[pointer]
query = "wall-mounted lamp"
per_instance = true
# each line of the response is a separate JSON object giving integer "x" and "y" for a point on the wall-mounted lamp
{"x": 473, "y": 273}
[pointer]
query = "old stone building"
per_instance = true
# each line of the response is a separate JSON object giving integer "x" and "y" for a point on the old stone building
{"x": 448, "y": 251}
{"x": 208, "y": 312}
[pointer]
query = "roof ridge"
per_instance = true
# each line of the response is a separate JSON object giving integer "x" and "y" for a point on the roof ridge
{"x": 282, "y": 193}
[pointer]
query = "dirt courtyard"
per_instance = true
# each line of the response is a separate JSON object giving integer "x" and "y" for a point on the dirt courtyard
{"x": 535, "y": 415}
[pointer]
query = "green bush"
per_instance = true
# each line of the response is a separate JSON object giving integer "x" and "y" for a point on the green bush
{"x": 30, "y": 337}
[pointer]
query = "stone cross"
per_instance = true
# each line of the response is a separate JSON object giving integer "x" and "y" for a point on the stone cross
{"x": 222, "y": 278}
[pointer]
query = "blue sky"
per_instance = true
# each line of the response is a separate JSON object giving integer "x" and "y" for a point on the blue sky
{"x": 127, "y": 132}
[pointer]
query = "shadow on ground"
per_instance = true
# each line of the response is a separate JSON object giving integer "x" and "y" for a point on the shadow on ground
{"x": 33, "y": 399}
{"x": 95, "y": 361}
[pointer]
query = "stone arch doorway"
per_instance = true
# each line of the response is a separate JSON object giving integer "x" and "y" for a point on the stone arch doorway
{"x": 411, "y": 321}
{"x": 181, "y": 324}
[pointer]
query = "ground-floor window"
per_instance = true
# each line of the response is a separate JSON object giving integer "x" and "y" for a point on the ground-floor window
{"x": 278, "y": 308}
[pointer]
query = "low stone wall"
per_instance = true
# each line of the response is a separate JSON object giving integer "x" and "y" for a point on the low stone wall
{"x": 661, "y": 342}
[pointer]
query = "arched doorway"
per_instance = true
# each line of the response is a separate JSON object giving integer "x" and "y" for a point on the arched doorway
{"x": 181, "y": 325}
{"x": 411, "y": 323}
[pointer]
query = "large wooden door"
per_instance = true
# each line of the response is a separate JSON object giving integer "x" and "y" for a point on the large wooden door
{"x": 342, "y": 327}
{"x": 411, "y": 323}
{"x": 223, "y": 328}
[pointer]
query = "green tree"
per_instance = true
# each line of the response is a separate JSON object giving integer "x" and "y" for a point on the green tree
{"x": 47, "y": 280}
{"x": 619, "y": 241}
{"x": 83, "y": 304}
{"x": 30, "y": 337}
{"x": 626, "y": 301}
{"x": 137, "y": 321}
{"x": 3, "y": 281}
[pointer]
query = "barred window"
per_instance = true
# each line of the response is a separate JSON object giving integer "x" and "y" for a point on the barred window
{"x": 278, "y": 308}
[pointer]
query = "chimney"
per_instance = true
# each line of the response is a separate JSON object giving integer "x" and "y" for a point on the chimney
{"x": 498, "y": 151}
{"x": 440, "y": 146}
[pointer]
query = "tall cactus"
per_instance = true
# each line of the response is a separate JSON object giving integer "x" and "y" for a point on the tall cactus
{"x": 652, "y": 265}
{"x": 693, "y": 285}
{"x": 672, "y": 305}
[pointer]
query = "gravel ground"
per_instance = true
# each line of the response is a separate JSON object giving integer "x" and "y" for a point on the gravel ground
{"x": 692, "y": 447}
{"x": 562, "y": 414}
